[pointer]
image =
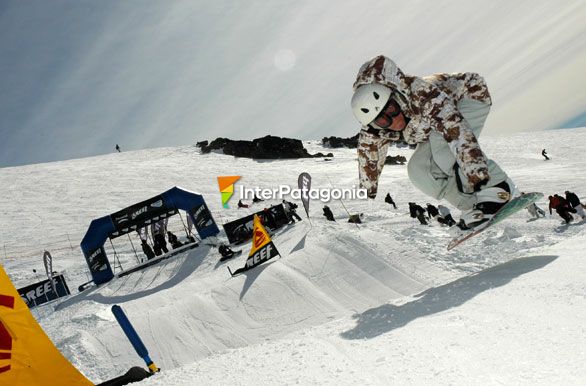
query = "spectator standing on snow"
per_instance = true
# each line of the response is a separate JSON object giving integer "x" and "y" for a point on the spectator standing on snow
{"x": 173, "y": 240}
{"x": 417, "y": 211}
{"x": 561, "y": 206}
{"x": 431, "y": 211}
{"x": 389, "y": 200}
{"x": 575, "y": 203}
{"x": 328, "y": 213}
{"x": 146, "y": 248}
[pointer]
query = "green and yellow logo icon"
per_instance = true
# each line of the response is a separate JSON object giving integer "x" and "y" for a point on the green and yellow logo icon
{"x": 226, "y": 184}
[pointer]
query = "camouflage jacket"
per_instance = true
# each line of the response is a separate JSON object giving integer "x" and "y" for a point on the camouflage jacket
{"x": 430, "y": 104}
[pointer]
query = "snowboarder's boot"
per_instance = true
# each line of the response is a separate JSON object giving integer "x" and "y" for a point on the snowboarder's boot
{"x": 488, "y": 202}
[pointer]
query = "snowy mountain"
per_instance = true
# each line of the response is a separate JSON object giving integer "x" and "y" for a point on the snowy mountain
{"x": 380, "y": 303}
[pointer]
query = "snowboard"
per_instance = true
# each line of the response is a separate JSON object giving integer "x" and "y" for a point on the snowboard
{"x": 510, "y": 208}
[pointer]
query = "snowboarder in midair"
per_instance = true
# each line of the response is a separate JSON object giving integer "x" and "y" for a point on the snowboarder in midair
{"x": 443, "y": 114}
{"x": 118, "y": 148}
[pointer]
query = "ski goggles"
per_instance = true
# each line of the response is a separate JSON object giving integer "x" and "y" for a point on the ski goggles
{"x": 391, "y": 110}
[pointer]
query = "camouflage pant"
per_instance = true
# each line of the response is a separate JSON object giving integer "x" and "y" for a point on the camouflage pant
{"x": 431, "y": 167}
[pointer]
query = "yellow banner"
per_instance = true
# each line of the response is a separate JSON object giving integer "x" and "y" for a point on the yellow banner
{"x": 27, "y": 355}
{"x": 260, "y": 236}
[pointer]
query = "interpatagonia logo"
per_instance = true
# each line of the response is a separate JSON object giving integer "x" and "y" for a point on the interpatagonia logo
{"x": 226, "y": 184}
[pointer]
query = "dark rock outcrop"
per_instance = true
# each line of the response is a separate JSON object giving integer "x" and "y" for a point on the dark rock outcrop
{"x": 337, "y": 142}
{"x": 269, "y": 147}
{"x": 395, "y": 160}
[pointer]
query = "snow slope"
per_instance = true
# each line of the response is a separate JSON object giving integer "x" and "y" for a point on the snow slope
{"x": 378, "y": 303}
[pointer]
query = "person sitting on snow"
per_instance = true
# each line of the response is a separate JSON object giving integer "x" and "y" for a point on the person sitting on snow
{"x": 445, "y": 216}
{"x": 225, "y": 251}
{"x": 535, "y": 211}
{"x": 443, "y": 114}
{"x": 290, "y": 211}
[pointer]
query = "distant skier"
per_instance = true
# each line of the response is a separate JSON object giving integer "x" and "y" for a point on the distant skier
{"x": 575, "y": 203}
{"x": 544, "y": 154}
{"x": 242, "y": 205}
{"x": 118, "y": 148}
{"x": 443, "y": 114}
{"x": 256, "y": 199}
{"x": 389, "y": 200}
{"x": 328, "y": 213}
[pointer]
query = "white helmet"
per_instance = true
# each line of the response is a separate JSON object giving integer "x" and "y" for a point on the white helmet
{"x": 368, "y": 101}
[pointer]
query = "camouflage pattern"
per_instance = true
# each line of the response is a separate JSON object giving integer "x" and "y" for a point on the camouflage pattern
{"x": 430, "y": 104}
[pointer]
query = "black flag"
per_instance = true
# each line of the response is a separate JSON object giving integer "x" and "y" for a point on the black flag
{"x": 304, "y": 183}
{"x": 48, "y": 262}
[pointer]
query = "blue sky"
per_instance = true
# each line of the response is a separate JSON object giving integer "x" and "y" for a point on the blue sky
{"x": 78, "y": 77}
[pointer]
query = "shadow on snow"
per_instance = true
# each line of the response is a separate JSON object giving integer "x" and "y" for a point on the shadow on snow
{"x": 385, "y": 318}
{"x": 182, "y": 271}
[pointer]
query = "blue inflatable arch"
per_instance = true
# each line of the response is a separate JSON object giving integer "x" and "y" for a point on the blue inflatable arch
{"x": 137, "y": 216}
